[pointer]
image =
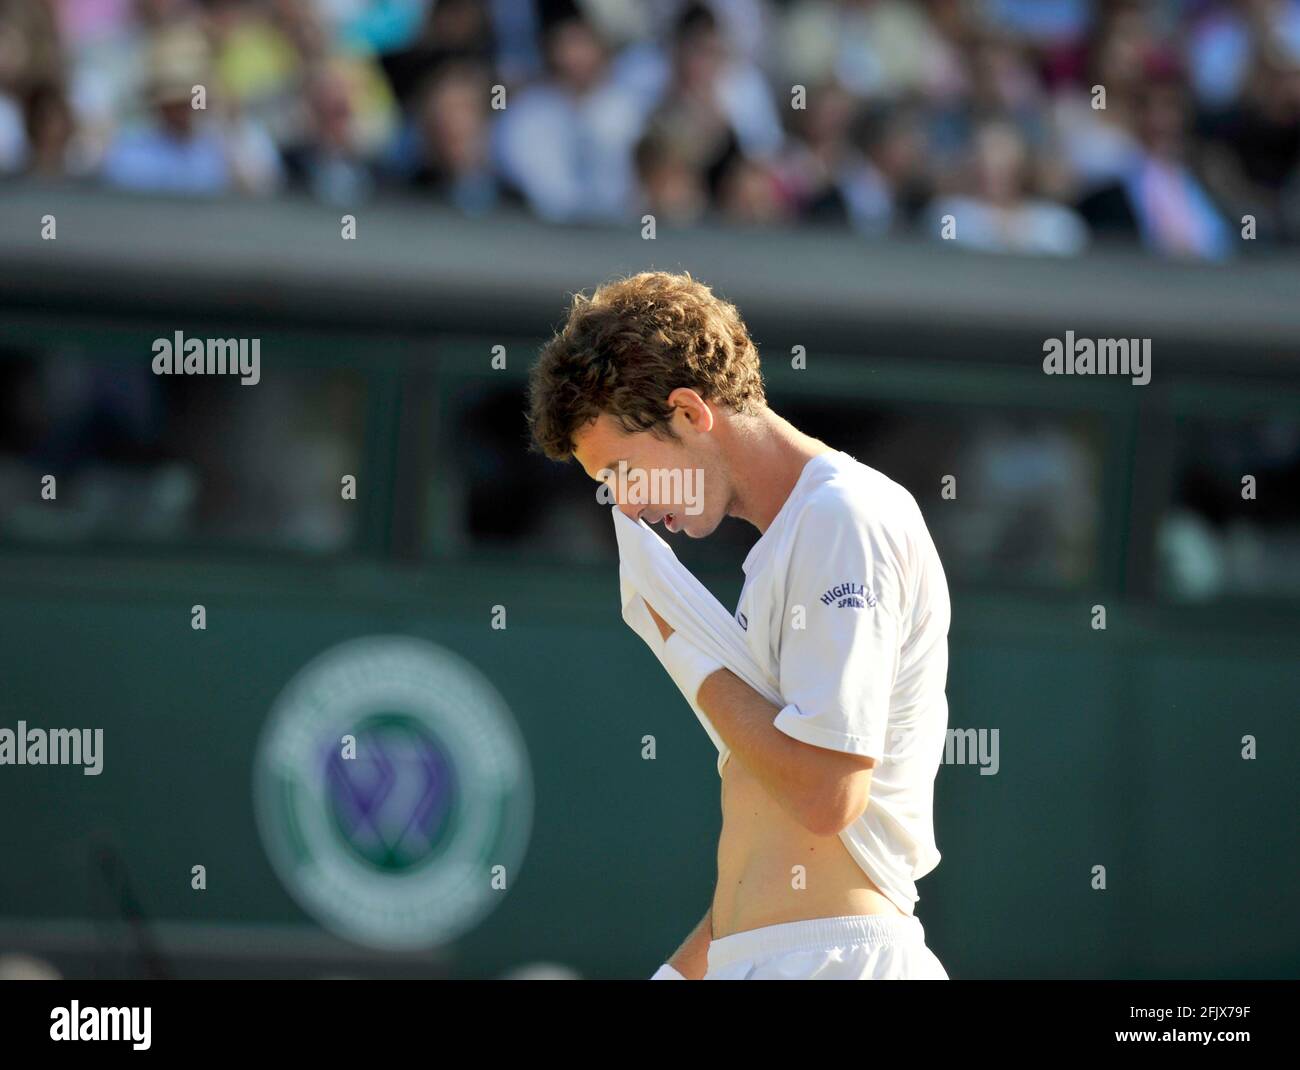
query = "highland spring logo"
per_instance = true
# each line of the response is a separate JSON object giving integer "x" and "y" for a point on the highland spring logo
{"x": 1101, "y": 356}
{"x": 179, "y": 355}
{"x": 849, "y": 595}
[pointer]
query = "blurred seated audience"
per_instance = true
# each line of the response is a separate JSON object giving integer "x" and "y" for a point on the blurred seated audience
{"x": 1040, "y": 126}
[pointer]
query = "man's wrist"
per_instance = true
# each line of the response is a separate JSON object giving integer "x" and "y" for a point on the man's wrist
{"x": 688, "y": 665}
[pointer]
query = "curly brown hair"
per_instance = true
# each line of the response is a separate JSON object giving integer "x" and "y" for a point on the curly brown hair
{"x": 627, "y": 347}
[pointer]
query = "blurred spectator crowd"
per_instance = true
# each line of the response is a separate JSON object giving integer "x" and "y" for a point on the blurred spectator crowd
{"x": 1036, "y": 125}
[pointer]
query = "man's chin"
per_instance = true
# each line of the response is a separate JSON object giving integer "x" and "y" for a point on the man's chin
{"x": 696, "y": 531}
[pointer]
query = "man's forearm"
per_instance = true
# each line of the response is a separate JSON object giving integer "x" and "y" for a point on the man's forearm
{"x": 743, "y": 718}
{"x": 691, "y": 960}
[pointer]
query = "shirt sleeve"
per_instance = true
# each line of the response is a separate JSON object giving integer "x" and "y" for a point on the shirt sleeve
{"x": 845, "y": 595}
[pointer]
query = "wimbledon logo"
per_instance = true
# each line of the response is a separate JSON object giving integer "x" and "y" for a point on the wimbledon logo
{"x": 393, "y": 842}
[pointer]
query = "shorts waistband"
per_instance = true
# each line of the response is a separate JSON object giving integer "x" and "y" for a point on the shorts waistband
{"x": 813, "y": 934}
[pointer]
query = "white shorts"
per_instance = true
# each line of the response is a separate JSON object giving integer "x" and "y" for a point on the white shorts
{"x": 861, "y": 947}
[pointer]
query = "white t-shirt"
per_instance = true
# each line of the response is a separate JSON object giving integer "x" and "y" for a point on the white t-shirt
{"x": 846, "y": 600}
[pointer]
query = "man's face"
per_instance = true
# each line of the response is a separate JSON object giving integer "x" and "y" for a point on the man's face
{"x": 683, "y": 483}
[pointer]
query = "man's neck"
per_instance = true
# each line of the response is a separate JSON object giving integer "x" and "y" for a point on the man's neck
{"x": 769, "y": 455}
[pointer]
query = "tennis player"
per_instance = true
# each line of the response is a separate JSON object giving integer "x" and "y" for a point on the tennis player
{"x": 827, "y": 809}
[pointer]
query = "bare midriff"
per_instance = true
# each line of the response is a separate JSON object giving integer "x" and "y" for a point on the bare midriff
{"x": 758, "y": 851}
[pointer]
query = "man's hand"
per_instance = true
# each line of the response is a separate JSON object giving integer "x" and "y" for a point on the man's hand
{"x": 662, "y": 624}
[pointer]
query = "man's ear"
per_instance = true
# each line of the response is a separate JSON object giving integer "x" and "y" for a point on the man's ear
{"x": 693, "y": 407}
